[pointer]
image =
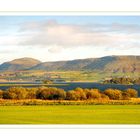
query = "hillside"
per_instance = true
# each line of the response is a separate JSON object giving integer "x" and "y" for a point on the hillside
{"x": 78, "y": 64}
{"x": 105, "y": 64}
{"x": 19, "y": 64}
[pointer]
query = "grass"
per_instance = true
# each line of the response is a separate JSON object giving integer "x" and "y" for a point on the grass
{"x": 35, "y": 102}
{"x": 90, "y": 76}
{"x": 73, "y": 114}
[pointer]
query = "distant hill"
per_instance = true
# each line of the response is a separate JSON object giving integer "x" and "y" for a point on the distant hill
{"x": 106, "y": 64}
{"x": 19, "y": 64}
{"x": 116, "y": 64}
{"x": 78, "y": 64}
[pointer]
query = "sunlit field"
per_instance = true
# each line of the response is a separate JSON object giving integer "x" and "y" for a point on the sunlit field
{"x": 73, "y": 114}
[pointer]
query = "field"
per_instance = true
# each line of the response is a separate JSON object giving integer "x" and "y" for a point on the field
{"x": 72, "y": 114}
{"x": 68, "y": 76}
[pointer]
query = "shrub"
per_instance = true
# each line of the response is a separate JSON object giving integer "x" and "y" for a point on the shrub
{"x": 31, "y": 93}
{"x": 42, "y": 93}
{"x": 125, "y": 95}
{"x": 103, "y": 96}
{"x": 93, "y": 94}
{"x": 60, "y": 94}
{"x": 51, "y": 94}
{"x": 86, "y": 90}
{"x": 131, "y": 92}
{"x": 81, "y": 93}
{"x": 1, "y": 94}
{"x": 9, "y": 95}
{"x": 72, "y": 95}
{"x": 15, "y": 93}
{"x": 113, "y": 94}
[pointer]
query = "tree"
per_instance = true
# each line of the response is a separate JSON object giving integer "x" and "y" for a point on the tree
{"x": 103, "y": 96}
{"x": 15, "y": 93}
{"x": 125, "y": 95}
{"x": 72, "y": 95}
{"x": 93, "y": 94}
{"x": 31, "y": 93}
{"x": 113, "y": 94}
{"x": 9, "y": 95}
{"x": 81, "y": 93}
{"x": 60, "y": 94}
{"x": 1, "y": 94}
{"x": 42, "y": 93}
{"x": 132, "y": 92}
{"x": 51, "y": 94}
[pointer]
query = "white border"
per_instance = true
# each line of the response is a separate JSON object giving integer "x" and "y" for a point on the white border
{"x": 97, "y": 126}
{"x": 69, "y": 13}
{"x": 69, "y": 5}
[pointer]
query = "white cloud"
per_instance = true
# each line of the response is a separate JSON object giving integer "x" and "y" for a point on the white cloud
{"x": 51, "y": 41}
{"x": 51, "y": 33}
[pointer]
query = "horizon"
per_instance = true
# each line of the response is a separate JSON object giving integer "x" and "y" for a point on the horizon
{"x": 62, "y": 38}
{"x": 71, "y": 59}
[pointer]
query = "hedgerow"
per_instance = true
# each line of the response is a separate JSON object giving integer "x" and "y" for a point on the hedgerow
{"x": 78, "y": 94}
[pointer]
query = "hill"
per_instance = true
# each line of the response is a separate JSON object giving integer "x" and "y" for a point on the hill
{"x": 78, "y": 64}
{"x": 105, "y": 64}
{"x": 19, "y": 64}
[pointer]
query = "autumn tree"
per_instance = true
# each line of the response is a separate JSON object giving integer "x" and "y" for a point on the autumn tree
{"x": 93, "y": 94}
{"x": 113, "y": 94}
{"x": 15, "y": 93}
{"x": 31, "y": 93}
{"x": 1, "y": 94}
{"x": 51, "y": 94}
{"x": 81, "y": 93}
{"x": 72, "y": 95}
{"x": 132, "y": 92}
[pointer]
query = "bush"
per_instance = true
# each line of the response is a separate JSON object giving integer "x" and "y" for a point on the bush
{"x": 131, "y": 92}
{"x": 113, "y": 94}
{"x": 1, "y": 94}
{"x": 60, "y": 95}
{"x": 93, "y": 94}
{"x": 15, "y": 93}
{"x": 51, "y": 94}
{"x": 81, "y": 93}
{"x": 125, "y": 95}
{"x": 31, "y": 93}
{"x": 103, "y": 96}
{"x": 42, "y": 93}
{"x": 72, "y": 95}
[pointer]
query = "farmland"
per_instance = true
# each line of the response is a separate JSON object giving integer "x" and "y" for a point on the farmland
{"x": 68, "y": 76}
{"x": 73, "y": 114}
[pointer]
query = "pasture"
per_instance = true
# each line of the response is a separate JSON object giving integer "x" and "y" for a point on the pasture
{"x": 72, "y": 114}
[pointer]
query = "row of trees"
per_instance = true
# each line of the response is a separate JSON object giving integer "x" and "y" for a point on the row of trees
{"x": 123, "y": 80}
{"x": 50, "y": 93}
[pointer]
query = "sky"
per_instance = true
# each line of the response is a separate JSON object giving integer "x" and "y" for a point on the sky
{"x": 54, "y": 38}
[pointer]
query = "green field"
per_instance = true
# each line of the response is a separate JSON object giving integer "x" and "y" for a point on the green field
{"x": 90, "y": 76}
{"x": 61, "y": 114}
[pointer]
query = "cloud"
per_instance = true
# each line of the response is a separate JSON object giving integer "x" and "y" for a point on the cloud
{"x": 126, "y": 28}
{"x": 57, "y": 37}
{"x": 70, "y": 35}
{"x": 8, "y": 40}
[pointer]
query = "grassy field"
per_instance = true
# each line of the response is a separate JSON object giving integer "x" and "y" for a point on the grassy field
{"x": 90, "y": 76}
{"x": 61, "y": 114}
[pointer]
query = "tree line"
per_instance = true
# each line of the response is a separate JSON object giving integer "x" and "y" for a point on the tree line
{"x": 122, "y": 80}
{"x": 52, "y": 93}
